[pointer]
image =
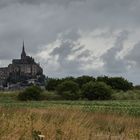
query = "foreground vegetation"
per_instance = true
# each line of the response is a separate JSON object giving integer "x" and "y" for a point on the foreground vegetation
{"x": 83, "y": 108}
{"x": 68, "y": 120}
{"x": 60, "y": 123}
{"x": 127, "y": 107}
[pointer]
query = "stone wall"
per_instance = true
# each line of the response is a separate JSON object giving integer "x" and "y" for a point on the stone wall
{"x": 4, "y": 73}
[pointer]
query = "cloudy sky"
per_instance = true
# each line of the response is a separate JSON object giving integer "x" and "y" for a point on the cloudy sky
{"x": 74, "y": 37}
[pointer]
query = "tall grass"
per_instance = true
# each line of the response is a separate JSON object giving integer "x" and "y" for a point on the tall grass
{"x": 128, "y": 95}
{"x": 66, "y": 124}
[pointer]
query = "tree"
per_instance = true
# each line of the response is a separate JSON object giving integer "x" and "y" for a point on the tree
{"x": 96, "y": 91}
{"x": 69, "y": 90}
{"x": 51, "y": 84}
{"x": 117, "y": 83}
{"x": 30, "y": 93}
{"x": 83, "y": 80}
{"x": 70, "y": 78}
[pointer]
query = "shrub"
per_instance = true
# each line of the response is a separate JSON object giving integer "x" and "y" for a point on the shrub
{"x": 83, "y": 80}
{"x": 69, "y": 90}
{"x": 137, "y": 87}
{"x": 117, "y": 83}
{"x": 51, "y": 95}
{"x": 126, "y": 95}
{"x": 51, "y": 84}
{"x": 96, "y": 91}
{"x": 70, "y": 78}
{"x": 30, "y": 93}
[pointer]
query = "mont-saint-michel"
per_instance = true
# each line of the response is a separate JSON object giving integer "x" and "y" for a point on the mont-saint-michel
{"x": 21, "y": 72}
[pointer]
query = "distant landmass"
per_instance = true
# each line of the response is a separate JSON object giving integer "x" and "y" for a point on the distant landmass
{"x": 22, "y": 72}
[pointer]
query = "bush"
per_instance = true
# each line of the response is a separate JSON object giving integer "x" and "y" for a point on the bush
{"x": 83, "y": 80}
{"x": 96, "y": 91}
{"x": 117, "y": 83}
{"x": 137, "y": 87}
{"x": 51, "y": 84}
{"x": 70, "y": 78}
{"x": 30, "y": 93}
{"x": 126, "y": 95}
{"x": 69, "y": 90}
{"x": 51, "y": 96}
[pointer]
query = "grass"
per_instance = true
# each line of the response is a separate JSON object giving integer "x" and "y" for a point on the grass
{"x": 128, "y": 95}
{"x": 69, "y": 120}
{"x": 66, "y": 124}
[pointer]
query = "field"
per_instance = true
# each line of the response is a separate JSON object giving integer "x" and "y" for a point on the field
{"x": 69, "y": 120}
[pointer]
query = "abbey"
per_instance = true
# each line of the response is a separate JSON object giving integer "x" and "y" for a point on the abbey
{"x": 21, "y": 70}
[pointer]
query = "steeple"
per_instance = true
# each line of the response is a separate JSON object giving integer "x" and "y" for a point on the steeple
{"x": 23, "y": 54}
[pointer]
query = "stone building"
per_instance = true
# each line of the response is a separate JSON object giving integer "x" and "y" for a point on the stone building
{"x": 21, "y": 71}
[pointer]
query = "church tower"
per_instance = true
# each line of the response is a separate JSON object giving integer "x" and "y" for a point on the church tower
{"x": 23, "y": 54}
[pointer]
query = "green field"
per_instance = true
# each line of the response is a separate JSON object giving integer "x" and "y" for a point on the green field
{"x": 130, "y": 107}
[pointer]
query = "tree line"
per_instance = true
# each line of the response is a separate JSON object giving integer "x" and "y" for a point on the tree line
{"x": 80, "y": 88}
{"x": 87, "y": 87}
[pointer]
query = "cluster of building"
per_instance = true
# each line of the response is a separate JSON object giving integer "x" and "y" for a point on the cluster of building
{"x": 21, "y": 73}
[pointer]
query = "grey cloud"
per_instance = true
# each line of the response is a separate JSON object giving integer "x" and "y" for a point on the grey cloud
{"x": 134, "y": 55}
{"x": 66, "y": 66}
{"x": 4, "y": 3}
{"x": 68, "y": 48}
{"x": 85, "y": 53}
{"x": 49, "y": 1}
{"x": 39, "y": 22}
{"x": 71, "y": 34}
{"x": 111, "y": 63}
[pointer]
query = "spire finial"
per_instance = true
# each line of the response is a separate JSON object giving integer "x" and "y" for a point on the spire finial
{"x": 23, "y": 54}
{"x": 23, "y": 46}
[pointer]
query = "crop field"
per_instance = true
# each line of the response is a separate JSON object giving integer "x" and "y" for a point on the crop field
{"x": 69, "y": 120}
{"x": 127, "y": 107}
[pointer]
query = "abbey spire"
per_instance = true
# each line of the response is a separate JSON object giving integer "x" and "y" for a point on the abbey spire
{"x": 23, "y": 54}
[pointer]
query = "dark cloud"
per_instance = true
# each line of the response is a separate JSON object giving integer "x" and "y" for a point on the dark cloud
{"x": 61, "y": 2}
{"x": 4, "y": 3}
{"x": 134, "y": 56}
{"x": 69, "y": 48}
{"x": 40, "y": 22}
{"x": 112, "y": 64}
